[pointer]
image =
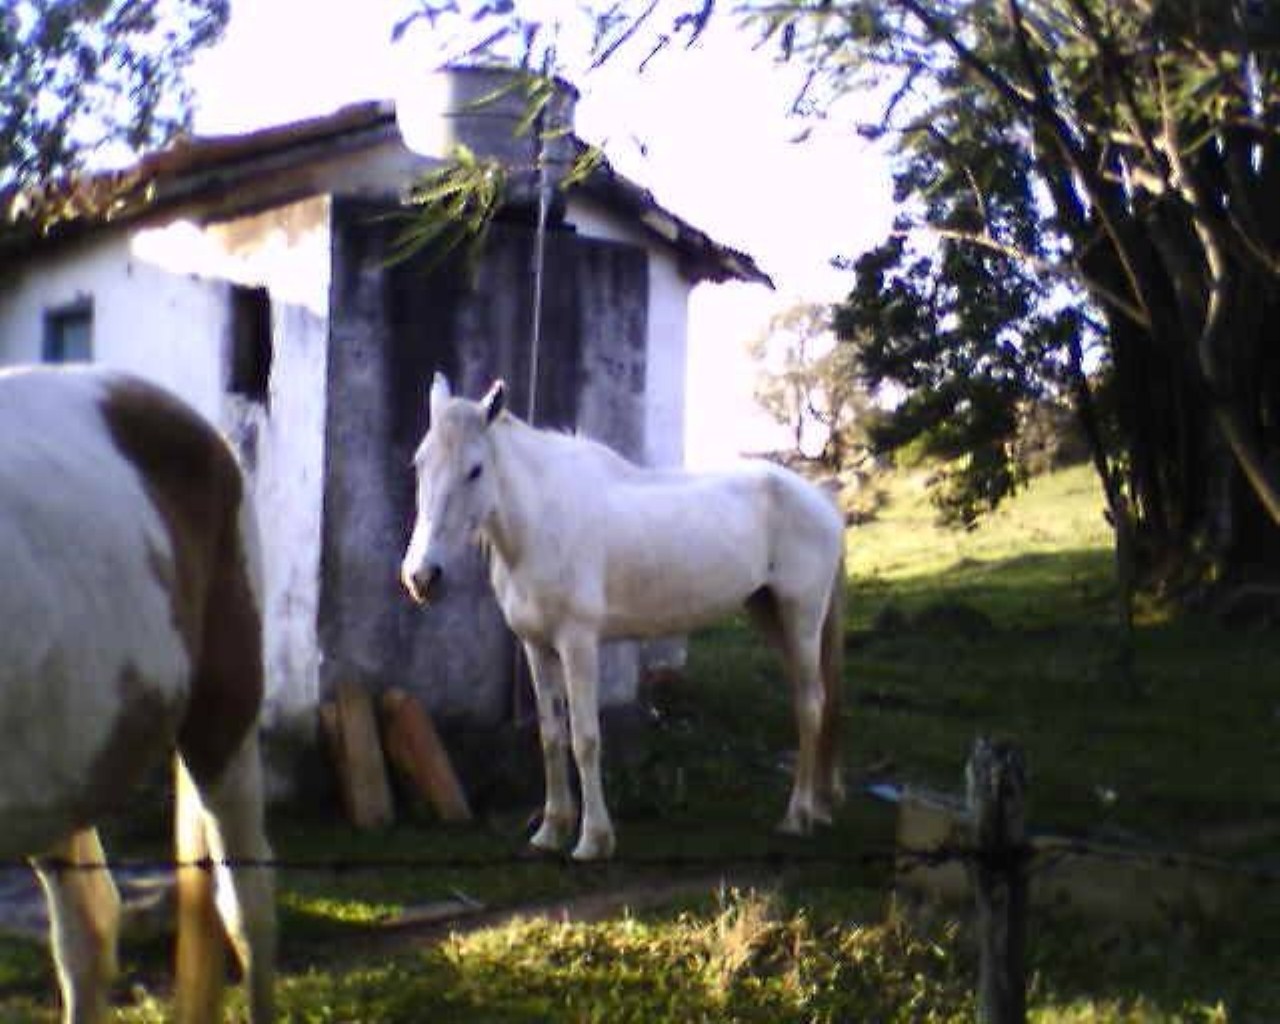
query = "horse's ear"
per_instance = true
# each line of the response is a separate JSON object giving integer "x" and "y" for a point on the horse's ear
{"x": 495, "y": 401}
{"x": 440, "y": 393}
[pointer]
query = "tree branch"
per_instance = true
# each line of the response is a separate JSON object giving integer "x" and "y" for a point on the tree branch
{"x": 1074, "y": 274}
{"x": 1039, "y": 107}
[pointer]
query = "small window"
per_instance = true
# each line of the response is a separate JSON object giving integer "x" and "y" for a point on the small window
{"x": 68, "y": 333}
{"x": 250, "y": 357}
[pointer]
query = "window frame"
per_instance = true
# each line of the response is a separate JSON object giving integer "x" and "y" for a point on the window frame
{"x": 57, "y": 320}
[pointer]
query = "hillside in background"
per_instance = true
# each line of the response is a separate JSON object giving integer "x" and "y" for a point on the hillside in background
{"x": 1052, "y": 533}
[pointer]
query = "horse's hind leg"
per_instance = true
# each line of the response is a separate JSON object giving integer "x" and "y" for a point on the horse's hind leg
{"x": 831, "y": 791}
{"x": 560, "y": 809}
{"x": 220, "y": 793}
{"x": 802, "y": 646}
{"x": 201, "y": 962}
{"x": 796, "y": 633}
{"x": 84, "y": 920}
{"x": 232, "y": 809}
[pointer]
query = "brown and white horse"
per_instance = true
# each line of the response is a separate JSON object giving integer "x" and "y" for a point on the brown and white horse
{"x": 130, "y": 628}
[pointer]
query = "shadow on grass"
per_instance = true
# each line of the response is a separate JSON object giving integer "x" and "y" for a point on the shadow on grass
{"x": 1026, "y": 591}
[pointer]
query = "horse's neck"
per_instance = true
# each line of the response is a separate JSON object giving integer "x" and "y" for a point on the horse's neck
{"x": 518, "y": 454}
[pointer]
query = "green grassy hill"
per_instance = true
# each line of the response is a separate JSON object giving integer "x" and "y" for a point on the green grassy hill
{"x": 1043, "y": 556}
{"x": 1181, "y": 732}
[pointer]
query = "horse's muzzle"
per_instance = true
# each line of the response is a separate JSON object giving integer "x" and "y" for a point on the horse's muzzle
{"x": 423, "y": 583}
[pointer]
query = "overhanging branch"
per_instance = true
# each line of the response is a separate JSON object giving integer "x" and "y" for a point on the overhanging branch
{"x": 1062, "y": 271}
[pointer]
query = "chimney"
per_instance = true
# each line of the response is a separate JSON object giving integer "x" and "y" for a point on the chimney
{"x": 483, "y": 108}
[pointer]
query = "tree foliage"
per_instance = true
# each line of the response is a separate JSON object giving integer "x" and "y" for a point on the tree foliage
{"x": 1119, "y": 152}
{"x": 84, "y": 79}
{"x": 964, "y": 331}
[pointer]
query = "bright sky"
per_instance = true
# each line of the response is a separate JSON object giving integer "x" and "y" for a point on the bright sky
{"x": 706, "y": 130}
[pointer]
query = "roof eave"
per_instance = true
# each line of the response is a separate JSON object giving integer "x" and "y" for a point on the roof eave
{"x": 701, "y": 257}
{"x": 209, "y": 171}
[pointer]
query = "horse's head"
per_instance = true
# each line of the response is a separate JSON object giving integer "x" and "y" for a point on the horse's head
{"x": 456, "y": 492}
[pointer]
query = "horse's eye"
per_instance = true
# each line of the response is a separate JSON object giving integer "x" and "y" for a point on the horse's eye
{"x": 475, "y": 472}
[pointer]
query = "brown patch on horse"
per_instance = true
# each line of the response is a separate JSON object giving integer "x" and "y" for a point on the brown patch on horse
{"x": 130, "y": 751}
{"x": 194, "y": 482}
{"x": 227, "y": 690}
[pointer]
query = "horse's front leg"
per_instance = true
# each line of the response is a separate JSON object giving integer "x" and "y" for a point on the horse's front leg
{"x": 580, "y": 654}
{"x": 560, "y": 810}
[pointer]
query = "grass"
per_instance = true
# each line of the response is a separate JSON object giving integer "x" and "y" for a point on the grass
{"x": 1140, "y": 728}
{"x": 1178, "y": 744}
{"x": 1042, "y": 559}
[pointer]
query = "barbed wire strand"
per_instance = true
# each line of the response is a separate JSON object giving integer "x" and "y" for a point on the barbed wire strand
{"x": 900, "y": 858}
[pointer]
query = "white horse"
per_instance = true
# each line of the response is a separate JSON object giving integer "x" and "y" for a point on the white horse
{"x": 130, "y": 628}
{"x": 586, "y": 546}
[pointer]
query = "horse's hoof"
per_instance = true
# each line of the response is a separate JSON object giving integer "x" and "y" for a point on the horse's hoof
{"x": 597, "y": 847}
{"x": 549, "y": 838}
{"x": 796, "y": 825}
{"x": 539, "y": 853}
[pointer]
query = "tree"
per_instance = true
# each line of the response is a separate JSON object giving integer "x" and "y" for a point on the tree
{"x": 1147, "y": 131}
{"x": 808, "y": 382}
{"x": 81, "y": 80}
{"x": 964, "y": 332}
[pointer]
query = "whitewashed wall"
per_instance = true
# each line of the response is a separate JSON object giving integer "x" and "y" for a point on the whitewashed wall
{"x": 165, "y": 326}
{"x": 286, "y": 250}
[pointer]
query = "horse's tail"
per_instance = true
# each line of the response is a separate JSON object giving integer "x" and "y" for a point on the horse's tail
{"x": 830, "y": 781}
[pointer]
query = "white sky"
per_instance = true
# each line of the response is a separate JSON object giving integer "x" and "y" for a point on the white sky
{"x": 716, "y": 150}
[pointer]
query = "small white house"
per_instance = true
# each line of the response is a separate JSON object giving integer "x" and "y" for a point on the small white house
{"x": 252, "y": 275}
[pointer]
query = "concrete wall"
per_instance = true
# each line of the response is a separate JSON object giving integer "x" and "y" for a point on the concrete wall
{"x": 386, "y": 340}
{"x": 666, "y": 347}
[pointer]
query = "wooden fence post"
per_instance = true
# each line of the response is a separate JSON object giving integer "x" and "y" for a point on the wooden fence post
{"x": 996, "y": 785}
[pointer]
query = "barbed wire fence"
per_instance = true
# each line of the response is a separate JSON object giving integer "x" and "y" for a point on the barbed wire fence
{"x": 900, "y": 858}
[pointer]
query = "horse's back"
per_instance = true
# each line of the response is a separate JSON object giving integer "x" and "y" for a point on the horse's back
{"x": 684, "y": 548}
{"x": 114, "y": 502}
{"x": 756, "y": 495}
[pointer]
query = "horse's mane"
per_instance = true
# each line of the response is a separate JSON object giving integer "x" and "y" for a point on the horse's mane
{"x": 570, "y": 438}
